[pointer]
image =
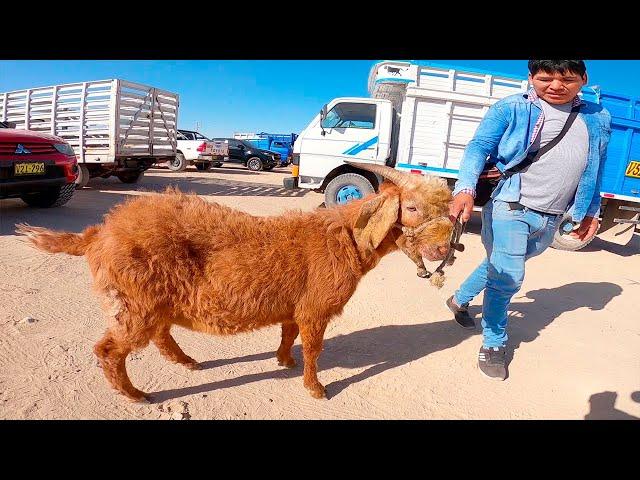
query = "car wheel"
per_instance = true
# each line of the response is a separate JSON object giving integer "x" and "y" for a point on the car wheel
{"x": 203, "y": 166}
{"x": 346, "y": 187}
{"x": 217, "y": 164}
{"x": 178, "y": 164}
{"x": 83, "y": 176}
{"x": 254, "y": 164}
{"x": 55, "y": 197}
{"x": 130, "y": 177}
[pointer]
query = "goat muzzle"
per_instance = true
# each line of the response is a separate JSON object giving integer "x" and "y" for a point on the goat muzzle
{"x": 454, "y": 241}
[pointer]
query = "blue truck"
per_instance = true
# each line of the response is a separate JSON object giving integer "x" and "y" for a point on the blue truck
{"x": 620, "y": 189}
{"x": 281, "y": 143}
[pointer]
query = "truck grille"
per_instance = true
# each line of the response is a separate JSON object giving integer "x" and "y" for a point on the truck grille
{"x": 9, "y": 148}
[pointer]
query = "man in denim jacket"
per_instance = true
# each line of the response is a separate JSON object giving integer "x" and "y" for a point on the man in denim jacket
{"x": 522, "y": 216}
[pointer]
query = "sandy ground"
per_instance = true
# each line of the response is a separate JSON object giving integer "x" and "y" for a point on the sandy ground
{"x": 393, "y": 354}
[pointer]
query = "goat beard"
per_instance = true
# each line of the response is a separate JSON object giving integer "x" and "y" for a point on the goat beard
{"x": 436, "y": 279}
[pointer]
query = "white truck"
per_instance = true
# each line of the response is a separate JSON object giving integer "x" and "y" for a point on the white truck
{"x": 115, "y": 127}
{"x": 196, "y": 149}
{"x": 420, "y": 119}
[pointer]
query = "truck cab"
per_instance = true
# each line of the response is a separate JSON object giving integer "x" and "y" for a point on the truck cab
{"x": 347, "y": 128}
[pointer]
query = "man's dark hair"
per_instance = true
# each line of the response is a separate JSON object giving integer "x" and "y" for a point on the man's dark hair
{"x": 561, "y": 66}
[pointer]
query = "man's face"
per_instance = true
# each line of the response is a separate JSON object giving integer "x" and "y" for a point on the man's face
{"x": 557, "y": 88}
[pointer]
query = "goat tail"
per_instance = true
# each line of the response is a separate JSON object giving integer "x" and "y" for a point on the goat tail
{"x": 58, "y": 242}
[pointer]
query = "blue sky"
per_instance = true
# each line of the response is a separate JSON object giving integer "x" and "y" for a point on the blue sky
{"x": 278, "y": 96}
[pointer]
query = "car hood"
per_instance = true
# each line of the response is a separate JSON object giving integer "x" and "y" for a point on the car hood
{"x": 17, "y": 135}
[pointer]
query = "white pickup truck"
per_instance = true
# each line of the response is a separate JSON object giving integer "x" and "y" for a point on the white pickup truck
{"x": 196, "y": 149}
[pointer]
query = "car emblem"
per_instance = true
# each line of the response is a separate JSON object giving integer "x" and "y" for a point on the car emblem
{"x": 20, "y": 149}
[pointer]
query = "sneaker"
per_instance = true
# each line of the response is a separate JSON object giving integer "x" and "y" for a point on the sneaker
{"x": 461, "y": 314}
{"x": 492, "y": 362}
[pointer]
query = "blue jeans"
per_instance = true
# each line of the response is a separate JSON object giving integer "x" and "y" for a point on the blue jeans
{"x": 510, "y": 237}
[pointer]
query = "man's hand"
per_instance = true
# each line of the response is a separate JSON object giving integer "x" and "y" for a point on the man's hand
{"x": 462, "y": 202}
{"x": 588, "y": 228}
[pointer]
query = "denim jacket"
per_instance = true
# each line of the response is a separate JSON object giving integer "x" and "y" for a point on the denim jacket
{"x": 507, "y": 132}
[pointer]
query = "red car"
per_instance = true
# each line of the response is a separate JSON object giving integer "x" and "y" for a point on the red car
{"x": 39, "y": 168}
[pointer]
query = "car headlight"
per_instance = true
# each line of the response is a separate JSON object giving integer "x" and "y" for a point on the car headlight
{"x": 64, "y": 148}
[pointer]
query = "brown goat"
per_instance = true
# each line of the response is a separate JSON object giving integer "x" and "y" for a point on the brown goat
{"x": 172, "y": 258}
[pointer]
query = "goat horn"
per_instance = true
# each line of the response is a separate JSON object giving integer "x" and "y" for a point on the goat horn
{"x": 399, "y": 178}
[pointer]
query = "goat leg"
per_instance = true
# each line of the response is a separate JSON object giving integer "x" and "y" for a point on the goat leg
{"x": 289, "y": 334}
{"x": 312, "y": 335}
{"x": 112, "y": 352}
{"x": 171, "y": 350}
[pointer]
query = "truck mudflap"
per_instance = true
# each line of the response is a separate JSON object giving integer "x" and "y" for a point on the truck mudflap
{"x": 290, "y": 183}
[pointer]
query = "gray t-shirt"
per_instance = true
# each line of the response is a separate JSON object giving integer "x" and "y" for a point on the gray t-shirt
{"x": 550, "y": 182}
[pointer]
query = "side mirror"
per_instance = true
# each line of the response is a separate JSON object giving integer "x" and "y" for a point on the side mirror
{"x": 323, "y": 115}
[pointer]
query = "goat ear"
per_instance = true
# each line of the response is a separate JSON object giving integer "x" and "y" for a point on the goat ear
{"x": 375, "y": 219}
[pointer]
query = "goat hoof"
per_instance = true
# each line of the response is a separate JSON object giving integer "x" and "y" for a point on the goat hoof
{"x": 193, "y": 366}
{"x": 288, "y": 362}
{"x": 138, "y": 398}
{"x": 422, "y": 273}
{"x": 318, "y": 392}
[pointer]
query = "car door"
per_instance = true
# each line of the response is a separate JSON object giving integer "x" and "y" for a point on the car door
{"x": 236, "y": 153}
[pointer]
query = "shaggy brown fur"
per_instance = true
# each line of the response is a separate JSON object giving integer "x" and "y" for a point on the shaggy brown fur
{"x": 172, "y": 258}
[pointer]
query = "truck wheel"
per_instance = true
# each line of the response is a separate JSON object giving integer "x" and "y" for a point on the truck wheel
{"x": 567, "y": 242}
{"x": 346, "y": 187}
{"x": 83, "y": 176}
{"x": 130, "y": 177}
{"x": 178, "y": 164}
{"x": 203, "y": 166}
{"x": 55, "y": 197}
{"x": 254, "y": 164}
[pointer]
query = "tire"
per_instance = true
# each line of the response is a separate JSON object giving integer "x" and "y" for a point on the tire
{"x": 130, "y": 177}
{"x": 83, "y": 176}
{"x": 567, "y": 242}
{"x": 216, "y": 164}
{"x": 203, "y": 166}
{"x": 346, "y": 187}
{"x": 255, "y": 164}
{"x": 55, "y": 197}
{"x": 178, "y": 164}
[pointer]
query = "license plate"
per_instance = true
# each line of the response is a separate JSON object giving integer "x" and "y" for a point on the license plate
{"x": 28, "y": 168}
{"x": 633, "y": 170}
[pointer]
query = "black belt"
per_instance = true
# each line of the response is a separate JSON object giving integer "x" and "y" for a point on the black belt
{"x": 519, "y": 206}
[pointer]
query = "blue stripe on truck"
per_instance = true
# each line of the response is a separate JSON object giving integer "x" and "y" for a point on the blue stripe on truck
{"x": 360, "y": 147}
{"x": 429, "y": 169}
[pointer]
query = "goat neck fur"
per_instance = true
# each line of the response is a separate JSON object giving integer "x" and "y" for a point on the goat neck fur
{"x": 172, "y": 258}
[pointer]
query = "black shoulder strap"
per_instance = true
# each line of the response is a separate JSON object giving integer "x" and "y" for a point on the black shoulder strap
{"x": 533, "y": 156}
